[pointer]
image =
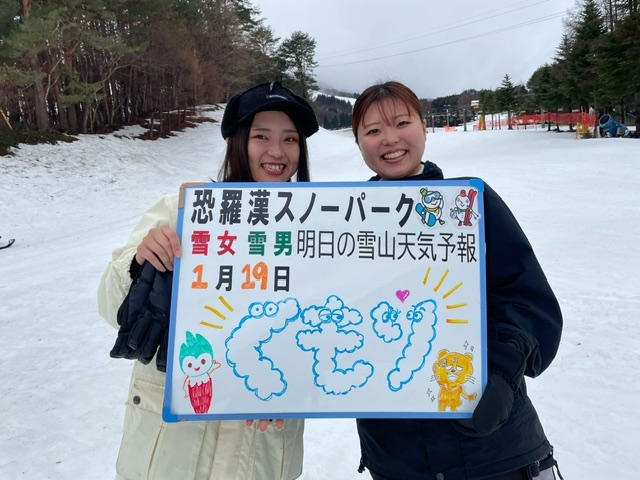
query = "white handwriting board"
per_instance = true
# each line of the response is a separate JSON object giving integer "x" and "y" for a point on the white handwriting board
{"x": 328, "y": 300}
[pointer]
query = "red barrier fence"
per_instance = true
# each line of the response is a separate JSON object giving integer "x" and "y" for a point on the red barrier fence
{"x": 557, "y": 118}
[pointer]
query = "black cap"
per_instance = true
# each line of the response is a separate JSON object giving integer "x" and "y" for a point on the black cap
{"x": 242, "y": 107}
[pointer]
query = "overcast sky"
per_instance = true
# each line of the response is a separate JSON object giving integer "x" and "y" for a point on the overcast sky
{"x": 436, "y": 47}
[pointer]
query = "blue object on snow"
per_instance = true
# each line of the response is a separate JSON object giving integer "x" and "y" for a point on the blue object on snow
{"x": 610, "y": 126}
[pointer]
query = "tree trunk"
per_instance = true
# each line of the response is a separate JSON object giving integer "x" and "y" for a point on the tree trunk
{"x": 26, "y": 8}
{"x": 40, "y": 104}
{"x": 72, "y": 118}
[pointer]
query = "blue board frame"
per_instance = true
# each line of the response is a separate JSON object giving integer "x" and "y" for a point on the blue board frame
{"x": 423, "y": 216}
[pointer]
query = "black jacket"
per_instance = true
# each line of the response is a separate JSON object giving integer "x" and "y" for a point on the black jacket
{"x": 524, "y": 325}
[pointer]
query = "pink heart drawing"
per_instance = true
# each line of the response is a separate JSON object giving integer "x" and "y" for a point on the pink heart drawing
{"x": 402, "y": 295}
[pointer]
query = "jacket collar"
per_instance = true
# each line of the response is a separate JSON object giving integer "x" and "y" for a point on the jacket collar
{"x": 430, "y": 172}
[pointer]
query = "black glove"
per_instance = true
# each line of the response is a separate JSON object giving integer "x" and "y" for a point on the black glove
{"x": 494, "y": 406}
{"x": 506, "y": 370}
{"x": 152, "y": 323}
{"x": 144, "y": 318}
{"x": 130, "y": 310}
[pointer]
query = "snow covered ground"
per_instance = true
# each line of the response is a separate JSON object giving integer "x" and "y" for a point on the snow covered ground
{"x": 70, "y": 205}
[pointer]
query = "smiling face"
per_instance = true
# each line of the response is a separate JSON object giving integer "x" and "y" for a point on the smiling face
{"x": 433, "y": 200}
{"x": 194, "y": 367}
{"x": 274, "y": 147}
{"x": 392, "y": 139}
{"x": 462, "y": 202}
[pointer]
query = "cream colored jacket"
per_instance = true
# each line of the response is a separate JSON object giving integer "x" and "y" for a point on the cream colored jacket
{"x": 210, "y": 450}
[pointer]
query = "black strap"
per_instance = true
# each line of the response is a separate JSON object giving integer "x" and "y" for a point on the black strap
{"x": 534, "y": 469}
{"x": 547, "y": 462}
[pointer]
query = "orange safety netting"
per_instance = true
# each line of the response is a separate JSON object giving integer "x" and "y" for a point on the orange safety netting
{"x": 557, "y": 118}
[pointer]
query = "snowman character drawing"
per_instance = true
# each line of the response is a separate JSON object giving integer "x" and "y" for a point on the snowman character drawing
{"x": 463, "y": 211}
{"x": 430, "y": 207}
{"x": 197, "y": 362}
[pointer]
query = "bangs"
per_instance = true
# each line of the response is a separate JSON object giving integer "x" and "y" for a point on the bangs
{"x": 390, "y": 109}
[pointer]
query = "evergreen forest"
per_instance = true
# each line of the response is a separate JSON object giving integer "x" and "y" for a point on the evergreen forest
{"x": 91, "y": 66}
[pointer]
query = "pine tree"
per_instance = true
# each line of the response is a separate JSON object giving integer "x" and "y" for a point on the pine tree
{"x": 581, "y": 80}
{"x": 506, "y": 98}
{"x": 617, "y": 66}
{"x": 487, "y": 101}
{"x": 543, "y": 87}
{"x": 297, "y": 61}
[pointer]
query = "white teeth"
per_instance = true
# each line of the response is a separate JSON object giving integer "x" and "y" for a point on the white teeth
{"x": 272, "y": 167}
{"x": 391, "y": 156}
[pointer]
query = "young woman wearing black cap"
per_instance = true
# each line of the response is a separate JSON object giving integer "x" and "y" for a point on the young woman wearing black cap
{"x": 266, "y": 128}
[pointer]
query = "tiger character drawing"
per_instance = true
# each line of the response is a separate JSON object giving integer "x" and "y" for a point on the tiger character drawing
{"x": 451, "y": 371}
